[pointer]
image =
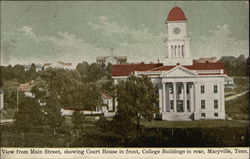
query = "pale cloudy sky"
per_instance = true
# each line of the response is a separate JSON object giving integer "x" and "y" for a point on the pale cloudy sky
{"x": 78, "y": 31}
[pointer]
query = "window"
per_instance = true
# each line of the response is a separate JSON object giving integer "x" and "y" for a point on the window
{"x": 179, "y": 89}
{"x": 215, "y": 89}
{"x": 216, "y": 114}
{"x": 202, "y": 89}
{"x": 187, "y": 89}
{"x": 203, "y": 114}
{"x": 215, "y": 104}
{"x": 171, "y": 89}
{"x": 171, "y": 104}
{"x": 182, "y": 50}
{"x": 172, "y": 51}
{"x": 203, "y": 104}
{"x": 188, "y": 105}
{"x": 175, "y": 48}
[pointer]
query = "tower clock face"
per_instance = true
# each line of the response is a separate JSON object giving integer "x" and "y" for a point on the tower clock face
{"x": 176, "y": 30}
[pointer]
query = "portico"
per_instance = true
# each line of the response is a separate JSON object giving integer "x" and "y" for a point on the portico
{"x": 177, "y": 97}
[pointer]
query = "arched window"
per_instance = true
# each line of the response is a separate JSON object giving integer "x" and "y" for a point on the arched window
{"x": 175, "y": 50}
{"x": 179, "y": 52}
{"x": 172, "y": 51}
{"x": 182, "y": 50}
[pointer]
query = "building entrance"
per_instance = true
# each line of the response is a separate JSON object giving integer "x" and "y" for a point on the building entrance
{"x": 180, "y": 106}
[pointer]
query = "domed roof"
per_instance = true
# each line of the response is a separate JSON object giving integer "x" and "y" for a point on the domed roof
{"x": 176, "y": 14}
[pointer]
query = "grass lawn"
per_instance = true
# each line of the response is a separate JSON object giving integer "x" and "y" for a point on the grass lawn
{"x": 10, "y": 85}
{"x": 241, "y": 83}
{"x": 238, "y": 108}
{"x": 194, "y": 124}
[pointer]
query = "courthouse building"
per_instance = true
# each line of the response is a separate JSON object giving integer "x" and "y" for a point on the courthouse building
{"x": 188, "y": 90}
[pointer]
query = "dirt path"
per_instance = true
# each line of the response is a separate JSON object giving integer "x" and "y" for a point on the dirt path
{"x": 6, "y": 121}
{"x": 236, "y": 95}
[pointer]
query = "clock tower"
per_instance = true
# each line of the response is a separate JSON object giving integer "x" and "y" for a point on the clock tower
{"x": 176, "y": 42}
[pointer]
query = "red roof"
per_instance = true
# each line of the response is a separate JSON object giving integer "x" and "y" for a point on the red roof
{"x": 206, "y": 66}
{"x": 26, "y": 87}
{"x": 127, "y": 69}
{"x": 176, "y": 14}
{"x": 196, "y": 66}
{"x": 106, "y": 96}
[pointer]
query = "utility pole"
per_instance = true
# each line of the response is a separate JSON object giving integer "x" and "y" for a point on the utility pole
{"x": 17, "y": 99}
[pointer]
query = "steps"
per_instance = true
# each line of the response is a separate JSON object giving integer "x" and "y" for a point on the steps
{"x": 180, "y": 116}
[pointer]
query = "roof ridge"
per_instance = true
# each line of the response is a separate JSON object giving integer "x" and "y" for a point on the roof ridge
{"x": 156, "y": 68}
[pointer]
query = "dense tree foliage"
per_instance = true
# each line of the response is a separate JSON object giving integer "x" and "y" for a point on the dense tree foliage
{"x": 29, "y": 115}
{"x": 91, "y": 96}
{"x": 31, "y": 74}
{"x": 93, "y": 72}
{"x": 65, "y": 84}
{"x": 137, "y": 99}
{"x": 52, "y": 111}
{"x": 235, "y": 66}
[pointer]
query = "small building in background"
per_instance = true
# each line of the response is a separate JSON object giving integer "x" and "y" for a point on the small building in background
{"x": 206, "y": 60}
{"x": 26, "y": 89}
{"x": 59, "y": 65}
{"x": 229, "y": 82}
{"x": 107, "y": 109}
{"x": 108, "y": 101}
{"x": 111, "y": 59}
{"x": 39, "y": 67}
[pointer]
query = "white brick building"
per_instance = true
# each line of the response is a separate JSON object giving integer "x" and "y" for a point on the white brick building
{"x": 187, "y": 90}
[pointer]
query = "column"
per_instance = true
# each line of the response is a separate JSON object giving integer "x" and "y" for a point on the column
{"x": 174, "y": 96}
{"x": 191, "y": 97}
{"x": 182, "y": 50}
{"x": 196, "y": 98}
{"x": 197, "y": 101}
{"x": 164, "y": 97}
{"x": 222, "y": 98}
{"x": 167, "y": 98}
{"x": 185, "y": 96}
{"x": 160, "y": 98}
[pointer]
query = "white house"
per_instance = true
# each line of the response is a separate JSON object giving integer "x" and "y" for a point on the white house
{"x": 111, "y": 59}
{"x": 187, "y": 90}
{"x": 106, "y": 109}
{"x": 229, "y": 82}
{"x": 26, "y": 89}
{"x": 59, "y": 65}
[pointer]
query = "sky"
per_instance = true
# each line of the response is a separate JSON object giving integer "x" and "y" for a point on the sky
{"x": 50, "y": 31}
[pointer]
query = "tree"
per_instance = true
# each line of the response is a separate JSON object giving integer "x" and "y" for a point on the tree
{"x": 50, "y": 103}
{"x": 6, "y": 72}
{"x": 95, "y": 73}
{"x": 28, "y": 116}
{"x": 82, "y": 68}
{"x": 137, "y": 99}
{"x": 235, "y": 66}
{"x": 109, "y": 70}
{"x": 77, "y": 121}
{"x": 53, "y": 114}
{"x": 31, "y": 74}
{"x": 91, "y": 96}
{"x": 65, "y": 83}
{"x": 19, "y": 72}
